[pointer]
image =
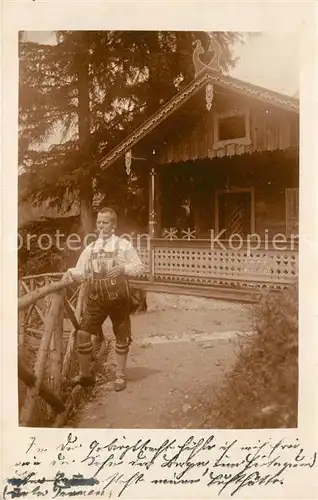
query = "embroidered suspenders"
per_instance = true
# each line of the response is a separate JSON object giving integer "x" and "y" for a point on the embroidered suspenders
{"x": 104, "y": 261}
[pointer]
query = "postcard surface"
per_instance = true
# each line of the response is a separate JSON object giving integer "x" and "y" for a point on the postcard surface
{"x": 159, "y": 229}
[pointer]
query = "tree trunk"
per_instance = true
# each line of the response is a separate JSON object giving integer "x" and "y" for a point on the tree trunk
{"x": 86, "y": 211}
{"x": 84, "y": 129}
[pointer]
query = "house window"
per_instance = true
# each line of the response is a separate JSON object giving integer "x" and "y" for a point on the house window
{"x": 231, "y": 128}
{"x": 292, "y": 211}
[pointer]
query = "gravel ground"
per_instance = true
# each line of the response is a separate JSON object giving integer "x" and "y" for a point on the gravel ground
{"x": 182, "y": 348}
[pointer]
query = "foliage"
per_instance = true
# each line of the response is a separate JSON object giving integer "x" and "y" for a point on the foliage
{"x": 34, "y": 259}
{"x": 262, "y": 390}
{"x": 95, "y": 87}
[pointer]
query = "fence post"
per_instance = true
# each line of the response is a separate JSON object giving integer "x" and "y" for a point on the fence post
{"x": 71, "y": 339}
{"x": 47, "y": 298}
{"x": 151, "y": 260}
{"x": 21, "y": 325}
{"x": 40, "y": 364}
{"x": 56, "y": 351}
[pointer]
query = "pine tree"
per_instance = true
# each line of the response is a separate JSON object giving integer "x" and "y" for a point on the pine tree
{"x": 95, "y": 87}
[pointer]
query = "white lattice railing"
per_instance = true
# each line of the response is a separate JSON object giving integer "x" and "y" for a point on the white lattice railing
{"x": 144, "y": 254}
{"x": 197, "y": 263}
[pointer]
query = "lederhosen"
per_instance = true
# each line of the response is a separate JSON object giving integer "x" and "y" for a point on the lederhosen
{"x": 107, "y": 297}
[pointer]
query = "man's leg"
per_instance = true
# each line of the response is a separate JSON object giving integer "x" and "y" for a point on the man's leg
{"x": 94, "y": 316}
{"x": 84, "y": 351}
{"x": 120, "y": 316}
{"x": 121, "y": 353}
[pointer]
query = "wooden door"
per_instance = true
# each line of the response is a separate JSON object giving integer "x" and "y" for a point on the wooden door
{"x": 234, "y": 213}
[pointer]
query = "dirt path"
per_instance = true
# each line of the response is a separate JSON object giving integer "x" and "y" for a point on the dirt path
{"x": 181, "y": 350}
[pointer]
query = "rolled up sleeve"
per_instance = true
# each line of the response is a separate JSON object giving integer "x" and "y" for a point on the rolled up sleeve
{"x": 132, "y": 264}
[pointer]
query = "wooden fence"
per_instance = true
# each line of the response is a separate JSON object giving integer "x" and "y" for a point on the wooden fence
{"x": 198, "y": 262}
{"x": 49, "y": 313}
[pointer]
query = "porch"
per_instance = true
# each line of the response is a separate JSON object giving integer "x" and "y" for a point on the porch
{"x": 217, "y": 268}
{"x": 223, "y": 227}
{"x": 243, "y": 194}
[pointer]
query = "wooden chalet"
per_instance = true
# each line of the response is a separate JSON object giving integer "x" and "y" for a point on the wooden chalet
{"x": 222, "y": 157}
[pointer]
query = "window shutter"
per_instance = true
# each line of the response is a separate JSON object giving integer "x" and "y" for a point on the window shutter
{"x": 292, "y": 211}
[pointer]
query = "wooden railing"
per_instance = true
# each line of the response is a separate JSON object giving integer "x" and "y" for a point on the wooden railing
{"x": 49, "y": 313}
{"x": 198, "y": 262}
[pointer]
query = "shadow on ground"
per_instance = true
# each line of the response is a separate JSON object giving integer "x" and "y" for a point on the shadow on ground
{"x": 136, "y": 373}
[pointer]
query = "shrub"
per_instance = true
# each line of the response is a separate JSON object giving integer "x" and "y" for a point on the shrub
{"x": 34, "y": 260}
{"x": 262, "y": 390}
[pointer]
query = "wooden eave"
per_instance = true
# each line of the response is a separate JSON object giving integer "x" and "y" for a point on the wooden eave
{"x": 214, "y": 77}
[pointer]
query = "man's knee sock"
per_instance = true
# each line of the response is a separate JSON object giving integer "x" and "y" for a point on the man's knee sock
{"x": 84, "y": 350}
{"x": 121, "y": 351}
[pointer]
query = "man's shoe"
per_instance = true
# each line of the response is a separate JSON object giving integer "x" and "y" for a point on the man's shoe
{"x": 84, "y": 381}
{"x": 120, "y": 384}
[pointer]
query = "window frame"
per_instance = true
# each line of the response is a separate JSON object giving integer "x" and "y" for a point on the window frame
{"x": 242, "y": 141}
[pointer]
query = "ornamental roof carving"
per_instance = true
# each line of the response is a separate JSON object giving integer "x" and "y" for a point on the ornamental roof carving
{"x": 204, "y": 74}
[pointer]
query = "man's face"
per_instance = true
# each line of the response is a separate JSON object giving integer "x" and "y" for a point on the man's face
{"x": 105, "y": 224}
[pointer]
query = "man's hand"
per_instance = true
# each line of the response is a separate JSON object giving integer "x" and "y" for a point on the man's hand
{"x": 116, "y": 271}
{"x": 67, "y": 277}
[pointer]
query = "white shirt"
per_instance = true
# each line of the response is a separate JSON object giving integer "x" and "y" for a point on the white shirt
{"x": 126, "y": 256}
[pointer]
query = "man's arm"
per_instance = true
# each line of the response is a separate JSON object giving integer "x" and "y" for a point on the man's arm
{"x": 82, "y": 269}
{"x": 129, "y": 262}
{"x": 133, "y": 265}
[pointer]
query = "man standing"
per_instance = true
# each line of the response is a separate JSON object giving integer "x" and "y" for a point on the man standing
{"x": 105, "y": 264}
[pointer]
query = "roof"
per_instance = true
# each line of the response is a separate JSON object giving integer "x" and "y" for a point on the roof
{"x": 206, "y": 76}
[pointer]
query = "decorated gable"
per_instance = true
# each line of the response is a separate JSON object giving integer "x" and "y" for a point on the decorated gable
{"x": 234, "y": 125}
{"x": 215, "y": 115}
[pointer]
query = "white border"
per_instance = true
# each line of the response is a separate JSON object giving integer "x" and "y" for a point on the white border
{"x": 240, "y": 16}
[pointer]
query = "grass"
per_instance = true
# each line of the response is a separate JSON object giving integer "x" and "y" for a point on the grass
{"x": 262, "y": 390}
